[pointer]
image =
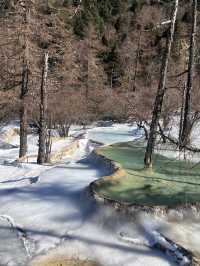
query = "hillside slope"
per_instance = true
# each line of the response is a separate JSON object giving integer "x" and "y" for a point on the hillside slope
{"x": 105, "y": 53}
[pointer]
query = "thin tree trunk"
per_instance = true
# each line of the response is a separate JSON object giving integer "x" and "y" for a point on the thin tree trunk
{"x": 164, "y": 140}
{"x": 136, "y": 61}
{"x": 23, "y": 113}
{"x": 48, "y": 142}
{"x": 160, "y": 93}
{"x": 181, "y": 116}
{"x": 25, "y": 13}
{"x": 141, "y": 125}
{"x": 43, "y": 107}
{"x": 187, "y": 106}
{"x": 48, "y": 146}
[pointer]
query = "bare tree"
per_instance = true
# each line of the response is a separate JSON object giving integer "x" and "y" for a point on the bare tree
{"x": 160, "y": 92}
{"x": 25, "y": 13}
{"x": 23, "y": 113}
{"x": 43, "y": 108}
{"x": 187, "y": 125}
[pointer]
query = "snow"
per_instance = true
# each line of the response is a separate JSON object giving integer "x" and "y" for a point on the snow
{"x": 173, "y": 131}
{"x": 97, "y": 238}
{"x": 11, "y": 241}
{"x": 185, "y": 232}
{"x": 115, "y": 133}
{"x": 50, "y": 206}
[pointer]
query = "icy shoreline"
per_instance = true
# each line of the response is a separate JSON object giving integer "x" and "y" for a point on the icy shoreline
{"x": 55, "y": 212}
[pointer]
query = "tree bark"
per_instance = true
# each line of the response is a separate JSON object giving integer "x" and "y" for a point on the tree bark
{"x": 141, "y": 125}
{"x": 43, "y": 107}
{"x": 181, "y": 116}
{"x": 136, "y": 61}
{"x": 23, "y": 113}
{"x": 160, "y": 92}
{"x": 25, "y": 12}
{"x": 48, "y": 143}
{"x": 187, "y": 106}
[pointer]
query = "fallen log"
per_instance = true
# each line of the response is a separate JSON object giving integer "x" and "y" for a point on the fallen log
{"x": 179, "y": 254}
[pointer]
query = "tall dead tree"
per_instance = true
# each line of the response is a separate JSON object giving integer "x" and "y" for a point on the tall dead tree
{"x": 161, "y": 91}
{"x": 43, "y": 109}
{"x": 186, "y": 127}
{"x": 25, "y": 13}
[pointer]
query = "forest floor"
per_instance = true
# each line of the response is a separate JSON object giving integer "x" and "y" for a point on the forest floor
{"x": 171, "y": 182}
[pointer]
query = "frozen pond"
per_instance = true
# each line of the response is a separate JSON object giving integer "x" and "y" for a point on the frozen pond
{"x": 115, "y": 133}
{"x": 52, "y": 208}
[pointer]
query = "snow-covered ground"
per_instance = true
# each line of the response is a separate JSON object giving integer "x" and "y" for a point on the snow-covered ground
{"x": 50, "y": 208}
{"x": 8, "y": 135}
{"x": 115, "y": 133}
{"x": 171, "y": 150}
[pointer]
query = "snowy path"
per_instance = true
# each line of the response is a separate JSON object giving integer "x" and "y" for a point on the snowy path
{"x": 52, "y": 208}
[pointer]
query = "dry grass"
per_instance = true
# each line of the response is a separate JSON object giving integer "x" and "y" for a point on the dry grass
{"x": 65, "y": 262}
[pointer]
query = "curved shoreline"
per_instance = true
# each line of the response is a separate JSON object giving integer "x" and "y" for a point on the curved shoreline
{"x": 116, "y": 171}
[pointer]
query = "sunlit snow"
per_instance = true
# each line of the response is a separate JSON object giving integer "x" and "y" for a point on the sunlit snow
{"x": 51, "y": 209}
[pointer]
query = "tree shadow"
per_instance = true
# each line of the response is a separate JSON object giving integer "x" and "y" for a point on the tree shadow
{"x": 152, "y": 196}
{"x": 70, "y": 197}
{"x": 32, "y": 180}
{"x": 162, "y": 179}
{"x": 91, "y": 241}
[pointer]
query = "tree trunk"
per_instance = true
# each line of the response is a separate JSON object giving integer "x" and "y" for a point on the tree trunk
{"x": 141, "y": 125}
{"x": 25, "y": 13}
{"x": 23, "y": 113}
{"x": 187, "y": 106}
{"x": 63, "y": 130}
{"x": 48, "y": 147}
{"x": 137, "y": 61}
{"x": 164, "y": 140}
{"x": 181, "y": 116}
{"x": 160, "y": 93}
{"x": 43, "y": 107}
